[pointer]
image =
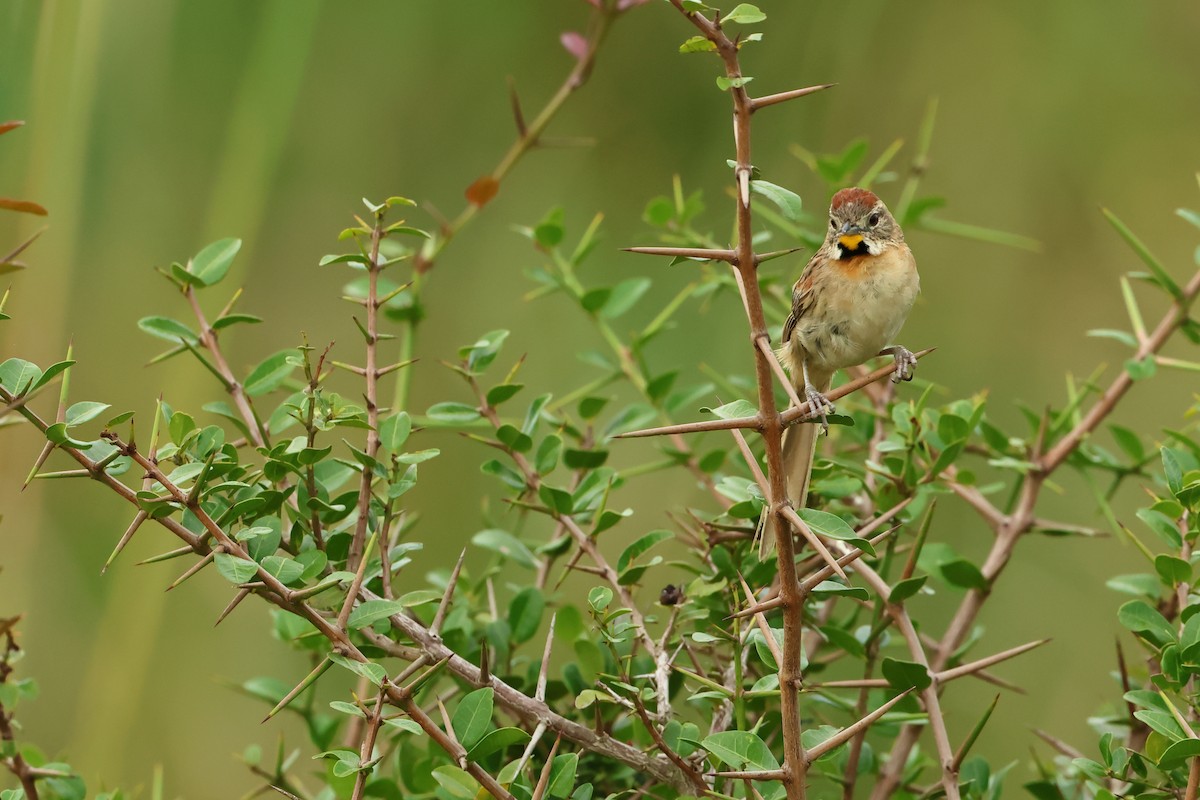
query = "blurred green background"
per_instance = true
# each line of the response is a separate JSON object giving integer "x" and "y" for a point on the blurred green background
{"x": 155, "y": 127}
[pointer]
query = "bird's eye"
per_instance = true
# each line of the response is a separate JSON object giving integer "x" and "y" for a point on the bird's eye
{"x": 873, "y": 220}
{"x": 832, "y": 224}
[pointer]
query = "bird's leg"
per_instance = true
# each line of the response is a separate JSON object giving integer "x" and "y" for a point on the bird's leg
{"x": 906, "y": 362}
{"x": 818, "y": 404}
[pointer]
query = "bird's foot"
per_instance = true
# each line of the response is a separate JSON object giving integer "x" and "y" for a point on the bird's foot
{"x": 818, "y": 406}
{"x": 906, "y": 362}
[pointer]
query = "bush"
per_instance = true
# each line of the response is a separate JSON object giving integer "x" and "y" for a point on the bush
{"x": 802, "y": 672}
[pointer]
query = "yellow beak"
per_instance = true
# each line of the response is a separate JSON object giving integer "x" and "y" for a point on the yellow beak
{"x": 850, "y": 241}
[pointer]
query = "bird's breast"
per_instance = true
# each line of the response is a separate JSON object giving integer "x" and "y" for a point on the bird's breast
{"x": 863, "y": 304}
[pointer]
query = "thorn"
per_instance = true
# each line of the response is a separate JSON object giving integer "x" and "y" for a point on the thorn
{"x": 37, "y": 464}
{"x": 695, "y": 427}
{"x": 769, "y": 100}
{"x": 485, "y": 671}
{"x": 790, "y": 514}
{"x": 444, "y": 607}
{"x": 762, "y": 257}
{"x": 308, "y": 681}
{"x": 983, "y": 663}
{"x": 543, "y": 673}
{"x": 972, "y": 736}
{"x": 167, "y": 556}
{"x": 1058, "y": 744}
{"x": 849, "y": 731}
{"x": 199, "y": 565}
{"x": 237, "y": 598}
{"x": 543, "y": 783}
{"x": 744, "y": 185}
{"x": 518, "y": 117}
{"x": 702, "y": 253}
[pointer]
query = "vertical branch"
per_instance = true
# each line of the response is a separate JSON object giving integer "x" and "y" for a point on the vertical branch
{"x": 795, "y": 763}
{"x": 372, "y": 395}
{"x": 368, "y": 747}
{"x": 15, "y": 763}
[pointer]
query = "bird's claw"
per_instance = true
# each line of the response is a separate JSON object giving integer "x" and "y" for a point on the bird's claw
{"x": 819, "y": 405}
{"x": 906, "y": 363}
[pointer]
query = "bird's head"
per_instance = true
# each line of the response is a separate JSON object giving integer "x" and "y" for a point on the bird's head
{"x": 860, "y": 224}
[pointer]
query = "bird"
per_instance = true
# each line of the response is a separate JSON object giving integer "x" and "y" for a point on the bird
{"x": 847, "y": 307}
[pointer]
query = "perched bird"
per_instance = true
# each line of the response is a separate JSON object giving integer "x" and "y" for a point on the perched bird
{"x": 849, "y": 303}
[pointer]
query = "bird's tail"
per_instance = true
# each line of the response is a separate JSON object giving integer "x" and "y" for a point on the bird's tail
{"x": 799, "y": 449}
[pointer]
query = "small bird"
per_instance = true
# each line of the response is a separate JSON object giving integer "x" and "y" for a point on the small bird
{"x": 850, "y": 301}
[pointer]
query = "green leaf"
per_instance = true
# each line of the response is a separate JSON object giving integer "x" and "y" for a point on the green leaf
{"x": 51, "y": 373}
{"x": 418, "y": 597}
{"x": 507, "y": 545}
{"x": 480, "y": 355}
{"x": 272, "y": 372}
{"x": 234, "y": 569}
{"x": 696, "y": 44}
{"x": 725, "y": 84}
{"x": 456, "y": 782}
{"x": 1162, "y": 525}
{"x": 525, "y": 613}
{"x": 906, "y": 588}
{"x": 473, "y": 716}
{"x": 373, "y": 672}
{"x": 501, "y": 392}
{"x": 514, "y": 439}
{"x": 371, "y": 611}
{"x": 589, "y": 407}
{"x": 1178, "y": 753}
{"x": 1141, "y": 370}
{"x": 1140, "y": 584}
{"x": 964, "y": 574}
{"x": 734, "y": 410}
{"x": 741, "y": 749}
{"x": 57, "y": 434}
{"x": 599, "y": 597}
{"x": 833, "y": 588}
{"x": 825, "y": 524}
{"x": 394, "y": 431}
{"x": 744, "y": 14}
{"x": 211, "y": 264}
{"x": 286, "y": 570}
{"x": 1172, "y": 470}
{"x": 1140, "y": 617}
{"x": 623, "y": 297}
{"x": 548, "y": 453}
{"x": 84, "y": 411}
{"x": 788, "y": 201}
{"x": 233, "y": 319}
{"x": 562, "y": 775}
{"x": 452, "y": 413}
{"x": 1173, "y": 570}
{"x": 168, "y": 329}
{"x": 906, "y": 674}
{"x": 1124, "y": 337}
{"x": 584, "y": 459}
{"x": 594, "y": 299}
{"x": 17, "y": 375}
{"x": 495, "y": 741}
{"x": 1129, "y": 442}
{"x": 641, "y": 546}
{"x": 550, "y": 231}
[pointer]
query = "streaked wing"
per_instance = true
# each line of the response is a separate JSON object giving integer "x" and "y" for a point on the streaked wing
{"x": 802, "y": 295}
